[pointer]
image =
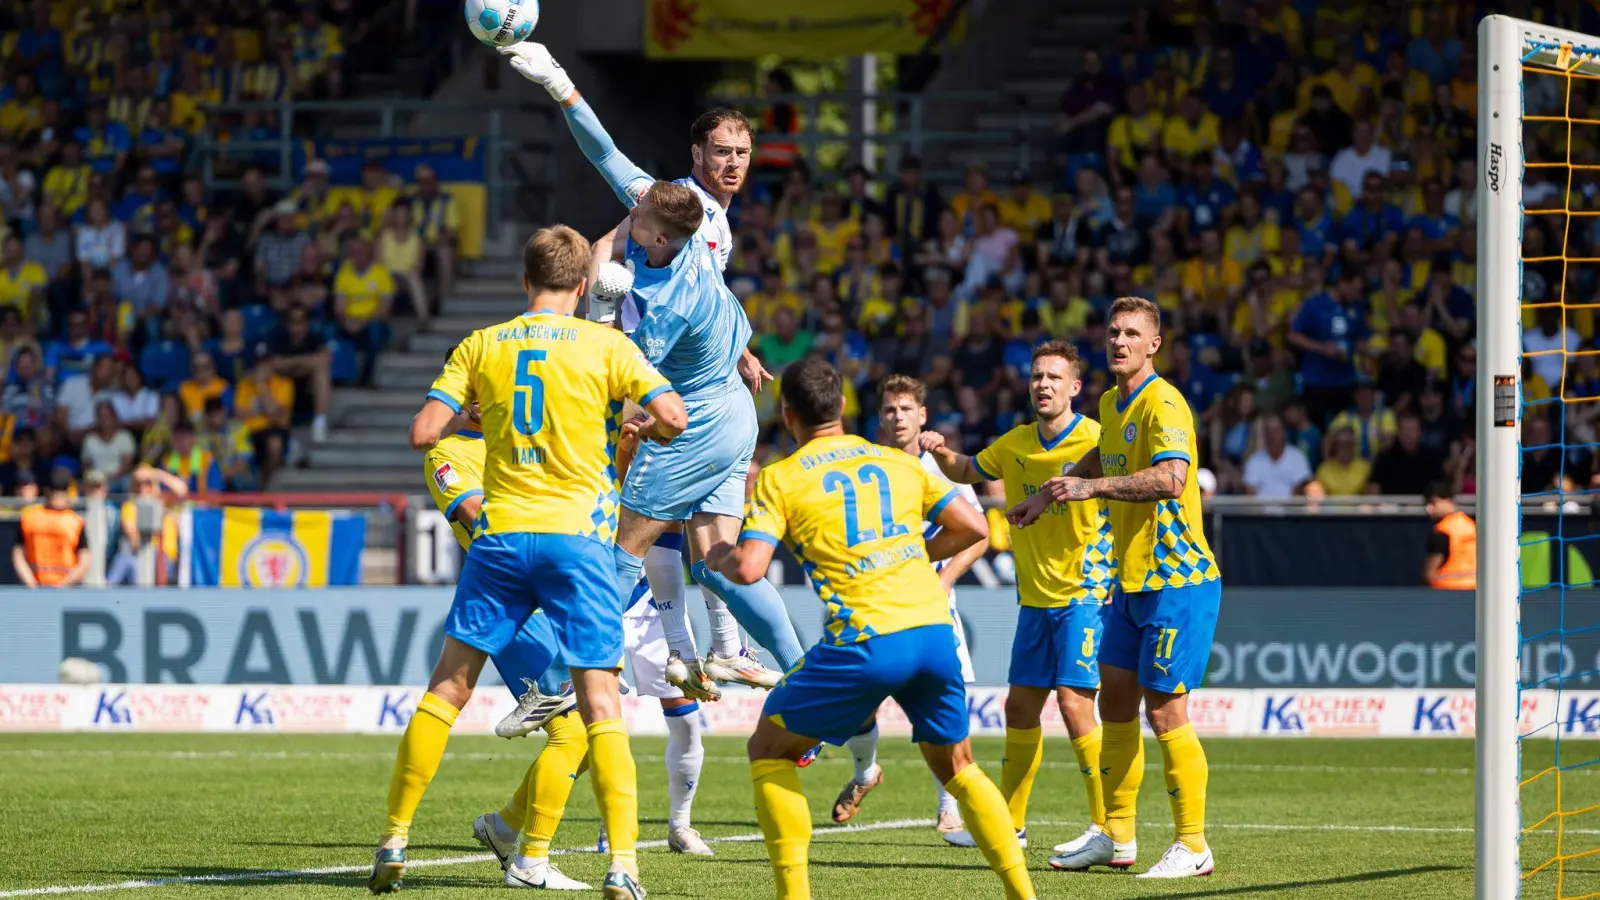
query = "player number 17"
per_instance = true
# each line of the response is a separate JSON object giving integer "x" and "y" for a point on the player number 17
{"x": 868, "y": 475}
{"x": 527, "y": 404}
{"x": 1164, "y": 641}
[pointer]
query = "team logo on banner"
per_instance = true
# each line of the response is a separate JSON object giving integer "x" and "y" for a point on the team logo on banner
{"x": 274, "y": 559}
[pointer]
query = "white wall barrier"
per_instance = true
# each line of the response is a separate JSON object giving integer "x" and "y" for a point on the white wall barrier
{"x": 364, "y": 709}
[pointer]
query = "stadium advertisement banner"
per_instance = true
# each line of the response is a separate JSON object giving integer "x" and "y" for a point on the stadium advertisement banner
{"x": 1352, "y": 638}
{"x": 795, "y": 29}
{"x": 371, "y": 709}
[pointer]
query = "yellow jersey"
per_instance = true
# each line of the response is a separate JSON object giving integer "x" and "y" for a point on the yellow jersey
{"x": 851, "y": 512}
{"x": 17, "y": 288}
{"x": 1067, "y": 556}
{"x": 363, "y": 291}
{"x": 1160, "y": 544}
{"x": 455, "y": 473}
{"x": 549, "y": 390}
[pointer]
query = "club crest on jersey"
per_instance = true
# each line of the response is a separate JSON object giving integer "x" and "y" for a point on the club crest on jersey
{"x": 444, "y": 476}
{"x": 1129, "y": 433}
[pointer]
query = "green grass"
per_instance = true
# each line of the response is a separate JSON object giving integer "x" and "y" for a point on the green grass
{"x": 1302, "y": 818}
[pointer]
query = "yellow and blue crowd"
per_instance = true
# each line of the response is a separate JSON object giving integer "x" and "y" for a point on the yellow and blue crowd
{"x": 1292, "y": 181}
{"x": 145, "y": 319}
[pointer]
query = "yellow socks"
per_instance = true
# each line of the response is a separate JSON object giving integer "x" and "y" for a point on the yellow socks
{"x": 990, "y": 824}
{"x": 1187, "y": 775}
{"x": 786, "y": 824}
{"x": 1024, "y": 750}
{"x": 616, "y": 790}
{"x": 421, "y": 750}
{"x": 1087, "y": 750}
{"x": 1122, "y": 762}
{"x": 552, "y": 776}
{"x": 515, "y": 813}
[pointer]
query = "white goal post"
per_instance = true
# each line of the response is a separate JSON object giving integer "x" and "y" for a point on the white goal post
{"x": 1504, "y": 45}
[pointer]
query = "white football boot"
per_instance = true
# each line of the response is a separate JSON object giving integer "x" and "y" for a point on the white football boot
{"x": 1094, "y": 848}
{"x": 1181, "y": 862}
{"x": 742, "y": 668}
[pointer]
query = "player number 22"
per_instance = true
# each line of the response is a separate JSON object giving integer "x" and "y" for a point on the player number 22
{"x": 1164, "y": 640}
{"x": 527, "y": 404}
{"x": 868, "y": 475}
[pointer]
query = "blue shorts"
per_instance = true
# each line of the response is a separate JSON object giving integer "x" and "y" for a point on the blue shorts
{"x": 1163, "y": 635}
{"x": 532, "y": 654}
{"x": 572, "y": 579}
{"x": 1056, "y": 647}
{"x": 832, "y": 691}
{"x": 704, "y": 469}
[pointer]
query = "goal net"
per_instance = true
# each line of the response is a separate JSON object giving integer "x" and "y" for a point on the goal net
{"x": 1538, "y": 394}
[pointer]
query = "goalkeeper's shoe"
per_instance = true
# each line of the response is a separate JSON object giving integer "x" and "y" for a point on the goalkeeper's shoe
{"x": 741, "y": 668}
{"x": 949, "y": 822}
{"x": 690, "y": 677}
{"x": 619, "y": 885}
{"x": 534, "y": 709}
{"x": 486, "y": 831}
{"x": 848, "y": 803}
{"x": 388, "y": 870}
{"x": 965, "y": 838}
{"x": 1181, "y": 862}
{"x": 808, "y": 757}
{"x": 543, "y": 876}
{"x": 1094, "y": 848}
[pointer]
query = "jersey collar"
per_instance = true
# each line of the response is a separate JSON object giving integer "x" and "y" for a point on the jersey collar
{"x": 1051, "y": 445}
{"x": 1124, "y": 402}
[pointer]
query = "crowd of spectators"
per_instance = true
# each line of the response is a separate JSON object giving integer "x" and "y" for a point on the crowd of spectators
{"x": 1292, "y": 181}
{"x": 144, "y": 320}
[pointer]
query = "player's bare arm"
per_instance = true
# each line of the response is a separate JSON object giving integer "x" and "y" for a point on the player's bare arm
{"x": 665, "y": 418}
{"x": 1087, "y": 467}
{"x": 430, "y": 424}
{"x": 961, "y": 527}
{"x": 1162, "y": 481}
{"x": 743, "y": 563}
{"x": 957, "y": 467}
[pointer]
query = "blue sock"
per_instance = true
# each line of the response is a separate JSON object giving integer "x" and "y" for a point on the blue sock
{"x": 760, "y": 609}
{"x": 628, "y": 569}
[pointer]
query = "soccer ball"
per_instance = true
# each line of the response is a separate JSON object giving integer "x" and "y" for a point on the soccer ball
{"x": 501, "y": 23}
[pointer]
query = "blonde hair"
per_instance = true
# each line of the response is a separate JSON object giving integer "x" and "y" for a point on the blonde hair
{"x": 676, "y": 208}
{"x": 1135, "y": 305}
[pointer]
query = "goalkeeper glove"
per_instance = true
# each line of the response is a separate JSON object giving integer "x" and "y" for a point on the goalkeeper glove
{"x": 533, "y": 62}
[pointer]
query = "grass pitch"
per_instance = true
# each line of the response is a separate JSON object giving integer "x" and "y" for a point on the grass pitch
{"x": 160, "y": 816}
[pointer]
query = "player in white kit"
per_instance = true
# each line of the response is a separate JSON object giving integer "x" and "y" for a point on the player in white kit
{"x": 902, "y": 415}
{"x": 720, "y": 147}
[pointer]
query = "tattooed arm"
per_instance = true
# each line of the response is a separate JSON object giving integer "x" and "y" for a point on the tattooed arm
{"x": 1088, "y": 467}
{"x": 1162, "y": 481}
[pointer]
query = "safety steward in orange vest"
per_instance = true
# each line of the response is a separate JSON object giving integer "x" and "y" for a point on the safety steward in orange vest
{"x": 54, "y": 540}
{"x": 1452, "y": 561}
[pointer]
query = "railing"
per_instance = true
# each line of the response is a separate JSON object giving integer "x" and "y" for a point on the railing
{"x": 506, "y": 167}
{"x": 910, "y": 134}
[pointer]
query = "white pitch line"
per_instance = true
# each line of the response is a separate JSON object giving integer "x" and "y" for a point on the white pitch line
{"x": 41, "y": 753}
{"x": 222, "y": 877}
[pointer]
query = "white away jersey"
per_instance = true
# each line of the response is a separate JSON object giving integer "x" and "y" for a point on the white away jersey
{"x": 929, "y": 529}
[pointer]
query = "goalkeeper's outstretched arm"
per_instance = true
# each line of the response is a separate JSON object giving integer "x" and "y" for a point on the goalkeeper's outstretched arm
{"x": 534, "y": 62}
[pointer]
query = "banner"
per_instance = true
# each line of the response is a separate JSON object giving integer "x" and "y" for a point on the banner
{"x": 1394, "y": 713}
{"x": 794, "y": 29}
{"x": 238, "y": 546}
{"x": 452, "y": 159}
{"x": 1353, "y": 639}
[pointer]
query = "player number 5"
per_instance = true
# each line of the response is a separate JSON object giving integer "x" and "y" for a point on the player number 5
{"x": 527, "y": 405}
{"x": 868, "y": 475}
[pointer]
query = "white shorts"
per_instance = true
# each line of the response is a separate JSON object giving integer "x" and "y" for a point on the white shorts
{"x": 967, "y": 676}
{"x": 645, "y": 649}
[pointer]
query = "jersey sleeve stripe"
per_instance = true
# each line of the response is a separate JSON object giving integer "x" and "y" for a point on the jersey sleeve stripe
{"x": 1169, "y": 454}
{"x": 762, "y": 536}
{"x": 645, "y": 400}
{"x": 979, "y": 469}
{"x": 446, "y": 399}
{"x": 450, "y": 511}
{"x": 952, "y": 494}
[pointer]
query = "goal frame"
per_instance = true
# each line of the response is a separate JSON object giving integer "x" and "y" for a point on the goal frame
{"x": 1504, "y": 45}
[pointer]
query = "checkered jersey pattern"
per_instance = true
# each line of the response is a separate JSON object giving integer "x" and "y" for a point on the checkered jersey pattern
{"x": 1177, "y": 562}
{"x": 1099, "y": 564}
{"x": 841, "y": 627}
{"x": 608, "y": 505}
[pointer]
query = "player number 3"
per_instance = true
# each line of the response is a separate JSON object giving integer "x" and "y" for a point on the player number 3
{"x": 527, "y": 405}
{"x": 867, "y": 475}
